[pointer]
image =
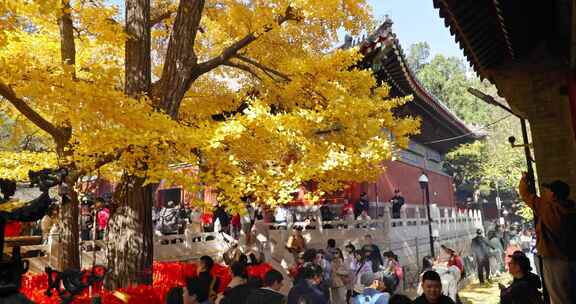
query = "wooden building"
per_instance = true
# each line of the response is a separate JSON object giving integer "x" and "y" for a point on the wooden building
{"x": 441, "y": 130}
{"x": 528, "y": 50}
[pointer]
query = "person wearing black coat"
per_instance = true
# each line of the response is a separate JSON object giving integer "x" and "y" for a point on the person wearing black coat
{"x": 269, "y": 294}
{"x": 205, "y": 286}
{"x": 480, "y": 249}
{"x": 223, "y": 217}
{"x": 397, "y": 202}
{"x": 375, "y": 255}
{"x": 361, "y": 205}
{"x": 238, "y": 289}
{"x": 307, "y": 291}
{"x": 524, "y": 288}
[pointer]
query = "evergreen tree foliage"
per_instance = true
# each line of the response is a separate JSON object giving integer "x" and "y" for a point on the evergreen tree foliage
{"x": 486, "y": 167}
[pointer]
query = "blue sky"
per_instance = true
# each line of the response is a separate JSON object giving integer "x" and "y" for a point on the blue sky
{"x": 415, "y": 21}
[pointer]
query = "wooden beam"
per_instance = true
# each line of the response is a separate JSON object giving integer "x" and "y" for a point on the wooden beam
{"x": 22, "y": 241}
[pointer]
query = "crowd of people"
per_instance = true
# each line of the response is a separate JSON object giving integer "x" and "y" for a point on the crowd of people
{"x": 174, "y": 218}
{"x": 542, "y": 262}
{"x": 492, "y": 252}
{"x": 94, "y": 215}
{"x": 319, "y": 276}
{"x": 365, "y": 274}
{"x": 361, "y": 275}
{"x": 342, "y": 270}
{"x": 203, "y": 289}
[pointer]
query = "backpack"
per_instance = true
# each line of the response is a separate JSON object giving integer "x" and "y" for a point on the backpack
{"x": 368, "y": 299}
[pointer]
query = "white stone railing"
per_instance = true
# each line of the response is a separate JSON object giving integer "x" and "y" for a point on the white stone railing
{"x": 272, "y": 237}
{"x": 190, "y": 246}
{"x": 456, "y": 221}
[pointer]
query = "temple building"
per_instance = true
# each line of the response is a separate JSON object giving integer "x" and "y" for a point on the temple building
{"x": 441, "y": 130}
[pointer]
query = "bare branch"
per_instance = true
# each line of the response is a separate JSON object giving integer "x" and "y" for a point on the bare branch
{"x": 155, "y": 19}
{"x": 233, "y": 49}
{"x": 30, "y": 114}
{"x": 337, "y": 127}
{"x": 263, "y": 67}
{"x": 108, "y": 158}
{"x": 243, "y": 67}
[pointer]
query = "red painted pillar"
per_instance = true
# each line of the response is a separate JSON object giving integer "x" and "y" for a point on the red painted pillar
{"x": 355, "y": 190}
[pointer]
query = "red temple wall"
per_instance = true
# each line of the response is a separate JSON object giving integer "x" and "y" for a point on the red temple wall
{"x": 397, "y": 175}
{"x": 403, "y": 176}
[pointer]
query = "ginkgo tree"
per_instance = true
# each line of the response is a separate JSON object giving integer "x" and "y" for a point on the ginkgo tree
{"x": 249, "y": 92}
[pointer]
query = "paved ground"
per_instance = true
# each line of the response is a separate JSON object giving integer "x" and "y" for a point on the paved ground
{"x": 488, "y": 293}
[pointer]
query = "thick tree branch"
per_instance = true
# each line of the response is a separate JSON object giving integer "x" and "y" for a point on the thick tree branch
{"x": 233, "y": 49}
{"x": 137, "y": 48}
{"x": 67, "y": 45}
{"x": 30, "y": 114}
{"x": 180, "y": 59}
{"x": 263, "y": 67}
{"x": 68, "y": 56}
{"x": 181, "y": 67}
{"x": 226, "y": 54}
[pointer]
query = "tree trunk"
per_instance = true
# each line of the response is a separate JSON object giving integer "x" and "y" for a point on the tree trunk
{"x": 130, "y": 240}
{"x": 137, "y": 48}
{"x": 69, "y": 234}
{"x": 130, "y": 236}
{"x": 180, "y": 61}
{"x": 67, "y": 45}
{"x": 69, "y": 213}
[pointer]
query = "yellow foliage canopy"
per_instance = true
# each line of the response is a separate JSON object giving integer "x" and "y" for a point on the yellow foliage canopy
{"x": 15, "y": 166}
{"x": 282, "y": 111}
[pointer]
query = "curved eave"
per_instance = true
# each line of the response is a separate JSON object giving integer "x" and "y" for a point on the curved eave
{"x": 395, "y": 71}
{"x": 426, "y": 96}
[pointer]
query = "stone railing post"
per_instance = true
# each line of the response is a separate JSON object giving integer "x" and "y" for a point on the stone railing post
{"x": 54, "y": 248}
{"x": 386, "y": 218}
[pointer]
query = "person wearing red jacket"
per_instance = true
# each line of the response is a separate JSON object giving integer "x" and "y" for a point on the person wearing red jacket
{"x": 455, "y": 259}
